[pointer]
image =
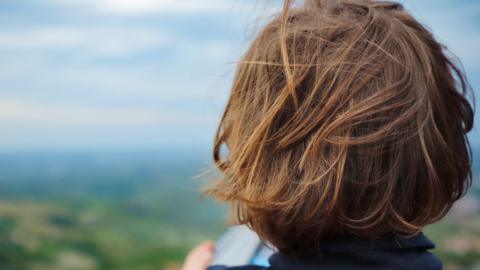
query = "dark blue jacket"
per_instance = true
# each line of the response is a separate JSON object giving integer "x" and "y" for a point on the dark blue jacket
{"x": 354, "y": 253}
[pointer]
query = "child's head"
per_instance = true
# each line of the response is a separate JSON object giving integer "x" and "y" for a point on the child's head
{"x": 345, "y": 117}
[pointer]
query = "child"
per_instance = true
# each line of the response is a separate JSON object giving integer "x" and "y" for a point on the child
{"x": 344, "y": 135}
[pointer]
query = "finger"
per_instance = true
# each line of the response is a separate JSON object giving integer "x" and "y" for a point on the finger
{"x": 200, "y": 257}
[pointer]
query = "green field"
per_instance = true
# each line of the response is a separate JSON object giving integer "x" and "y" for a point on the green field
{"x": 138, "y": 211}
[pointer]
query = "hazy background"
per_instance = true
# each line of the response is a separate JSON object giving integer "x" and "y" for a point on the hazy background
{"x": 108, "y": 108}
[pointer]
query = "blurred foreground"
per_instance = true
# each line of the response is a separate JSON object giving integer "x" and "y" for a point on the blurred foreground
{"x": 141, "y": 211}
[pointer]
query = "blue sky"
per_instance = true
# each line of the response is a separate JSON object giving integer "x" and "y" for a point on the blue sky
{"x": 148, "y": 74}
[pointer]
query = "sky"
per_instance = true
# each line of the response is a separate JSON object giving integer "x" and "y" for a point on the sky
{"x": 149, "y": 74}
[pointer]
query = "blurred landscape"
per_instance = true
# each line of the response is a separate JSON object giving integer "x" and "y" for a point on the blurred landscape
{"x": 101, "y": 211}
{"x": 131, "y": 210}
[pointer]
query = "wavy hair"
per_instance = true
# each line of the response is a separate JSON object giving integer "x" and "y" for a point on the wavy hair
{"x": 345, "y": 117}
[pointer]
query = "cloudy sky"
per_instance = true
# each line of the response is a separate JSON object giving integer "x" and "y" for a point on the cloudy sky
{"x": 143, "y": 74}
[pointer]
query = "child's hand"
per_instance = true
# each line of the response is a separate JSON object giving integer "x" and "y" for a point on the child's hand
{"x": 200, "y": 257}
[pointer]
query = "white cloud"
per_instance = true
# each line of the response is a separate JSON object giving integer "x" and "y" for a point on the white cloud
{"x": 142, "y": 7}
{"x": 110, "y": 41}
{"x": 21, "y": 114}
{"x": 28, "y": 125}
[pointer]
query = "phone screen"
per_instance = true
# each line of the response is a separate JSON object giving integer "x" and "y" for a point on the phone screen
{"x": 241, "y": 246}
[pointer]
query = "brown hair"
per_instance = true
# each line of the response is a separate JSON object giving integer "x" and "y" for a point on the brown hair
{"x": 345, "y": 117}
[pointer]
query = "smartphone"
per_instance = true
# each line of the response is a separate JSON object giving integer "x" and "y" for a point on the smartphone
{"x": 240, "y": 246}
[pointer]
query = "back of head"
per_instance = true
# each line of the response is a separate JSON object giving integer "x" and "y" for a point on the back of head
{"x": 345, "y": 117}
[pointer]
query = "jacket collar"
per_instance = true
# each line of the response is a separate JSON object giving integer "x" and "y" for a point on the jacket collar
{"x": 389, "y": 242}
{"x": 354, "y": 245}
